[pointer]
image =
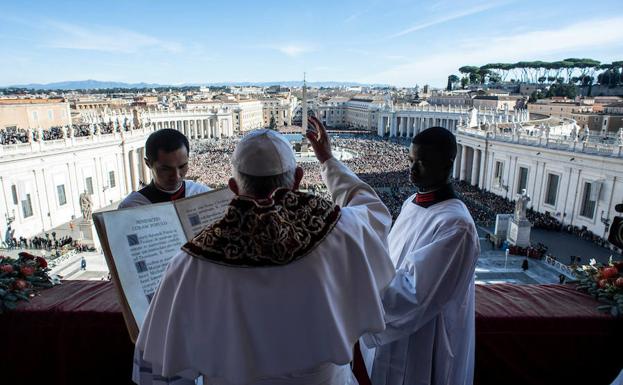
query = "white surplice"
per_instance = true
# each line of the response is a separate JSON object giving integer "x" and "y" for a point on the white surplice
{"x": 429, "y": 304}
{"x": 135, "y": 198}
{"x": 290, "y": 324}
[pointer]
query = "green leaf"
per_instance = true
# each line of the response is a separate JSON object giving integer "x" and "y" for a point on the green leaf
{"x": 22, "y": 296}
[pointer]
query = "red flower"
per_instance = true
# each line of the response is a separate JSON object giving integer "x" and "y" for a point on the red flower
{"x": 42, "y": 262}
{"x": 20, "y": 284}
{"x": 610, "y": 272}
{"x": 27, "y": 271}
{"x": 619, "y": 282}
{"x": 6, "y": 268}
{"x": 602, "y": 283}
{"x": 26, "y": 256}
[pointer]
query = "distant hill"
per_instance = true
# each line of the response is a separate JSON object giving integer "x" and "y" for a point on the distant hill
{"x": 96, "y": 84}
{"x": 85, "y": 84}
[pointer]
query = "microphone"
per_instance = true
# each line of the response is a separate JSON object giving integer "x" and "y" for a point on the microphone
{"x": 619, "y": 208}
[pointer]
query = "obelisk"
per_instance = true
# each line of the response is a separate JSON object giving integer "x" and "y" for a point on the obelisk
{"x": 304, "y": 108}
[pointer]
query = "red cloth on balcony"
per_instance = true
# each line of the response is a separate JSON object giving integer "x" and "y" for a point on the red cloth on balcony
{"x": 544, "y": 334}
{"x": 525, "y": 334}
{"x": 73, "y": 333}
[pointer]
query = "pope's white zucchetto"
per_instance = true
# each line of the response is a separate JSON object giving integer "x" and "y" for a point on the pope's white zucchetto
{"x": 263, "y": 153}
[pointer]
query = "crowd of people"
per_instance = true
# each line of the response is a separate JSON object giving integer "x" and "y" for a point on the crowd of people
{"x": 48, "y": 242}
{"x": 13, "y": 135}
{"x": 484, "y": 206}
{"x": 380, "y": 163}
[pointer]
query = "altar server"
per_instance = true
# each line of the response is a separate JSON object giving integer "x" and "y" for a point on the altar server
{"x": 166, "y": 156}
{"x": 280, "y": 289}
{"x": 429, "y": 304}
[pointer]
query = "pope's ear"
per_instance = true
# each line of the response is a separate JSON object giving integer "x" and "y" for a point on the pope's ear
{"x": 233, "y": 186}
{"x": 298, "y": 176}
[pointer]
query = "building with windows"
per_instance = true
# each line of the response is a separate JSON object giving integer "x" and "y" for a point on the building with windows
{"x": 34, "y": 113}
{"x": 41, "y": 181}
{"x": 247, "y": 114}
{"x": 577, "y": 182}
{"x": 279, "y": 109}
{"x": 597, "y": 116}
{"x": 357, "y": 112}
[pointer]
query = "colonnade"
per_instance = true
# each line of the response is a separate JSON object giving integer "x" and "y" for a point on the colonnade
{"x": 198, "y": 128}
{"x": 408, "y": 126}
{"x": 469, "y": 165}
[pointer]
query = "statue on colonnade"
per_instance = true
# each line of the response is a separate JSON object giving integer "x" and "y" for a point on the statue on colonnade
{"x": 521, "y": 205}
{"x": 86, "y": 205}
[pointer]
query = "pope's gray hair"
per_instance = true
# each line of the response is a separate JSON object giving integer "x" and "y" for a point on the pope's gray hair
{"x": 263, "y": 186}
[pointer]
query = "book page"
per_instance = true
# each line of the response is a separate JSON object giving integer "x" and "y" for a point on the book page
{"x": 142, "y": 240}
{"x": 199, "y": 211}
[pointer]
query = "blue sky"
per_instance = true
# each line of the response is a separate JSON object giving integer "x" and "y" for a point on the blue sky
{"x": 395, "y": 42}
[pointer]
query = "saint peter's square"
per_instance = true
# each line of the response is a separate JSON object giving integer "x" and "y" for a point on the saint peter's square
{"x": 538, "y": 165}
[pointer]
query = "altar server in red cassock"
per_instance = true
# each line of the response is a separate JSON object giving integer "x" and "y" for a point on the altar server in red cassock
{"x": 429, "y": 304}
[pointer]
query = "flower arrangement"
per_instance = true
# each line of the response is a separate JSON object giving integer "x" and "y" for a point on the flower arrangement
{"x": 604, "y": 282}
{"x": 21, "y": 278}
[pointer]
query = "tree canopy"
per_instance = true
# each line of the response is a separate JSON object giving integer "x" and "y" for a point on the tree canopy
{"x": 580, "y": 71}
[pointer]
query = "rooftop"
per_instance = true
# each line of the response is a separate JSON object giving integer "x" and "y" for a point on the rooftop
{"x": 31, "y": 101}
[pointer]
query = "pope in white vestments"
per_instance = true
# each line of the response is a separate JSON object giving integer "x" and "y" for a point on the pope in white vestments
{"x": 281, "y": 288}
{"x": 429, "y": 305}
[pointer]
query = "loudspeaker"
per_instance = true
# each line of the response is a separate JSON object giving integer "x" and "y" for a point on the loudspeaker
{"x": 616, "y": 232}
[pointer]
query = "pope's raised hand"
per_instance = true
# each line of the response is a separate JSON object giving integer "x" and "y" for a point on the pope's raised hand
{"x": 319, "y": 139}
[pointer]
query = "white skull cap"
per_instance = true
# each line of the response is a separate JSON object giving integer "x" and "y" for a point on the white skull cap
{"x": 263, "y": 153}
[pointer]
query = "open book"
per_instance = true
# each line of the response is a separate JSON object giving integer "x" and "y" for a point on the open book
{"x": 139, "y": 242}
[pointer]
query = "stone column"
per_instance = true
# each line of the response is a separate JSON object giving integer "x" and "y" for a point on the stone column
{"x": 481, "y": 179}
{"x": 457, "y": 162}
{"x": 127, "y": 178}
{"x": 132, "y": 159}
{"x": 392, "y": 127}
{"x": 137, "y": 169}
{"x": 463, "y": 171}
{"x": 146, "y": 170}
{"x": 475, "y": 167}
{"x": 405, "y": 129}
{"x": 380, "y": 128}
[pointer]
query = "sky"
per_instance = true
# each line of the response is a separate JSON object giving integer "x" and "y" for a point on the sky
{"x": 397, "y": 42}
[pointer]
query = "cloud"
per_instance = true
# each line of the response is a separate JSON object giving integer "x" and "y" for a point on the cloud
{"x": 105, "y": 39}
{"x": 449, "y": 17}
{"x": 292, "y": 49}
{"x": 570, "y": 40}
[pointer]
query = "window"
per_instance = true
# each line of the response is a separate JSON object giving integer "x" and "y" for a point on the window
{"x": 588, "y": 205}
{"x": 89, "y": 184}
{"x": 14, "y": 193}
{"x": 111, "y": 179}
{"x": 60, "y": 191}
{"x": 50, "y": 115}
{"x": 34, "y": 115}
{"x": 523, "y": 179}
{"x": 27, "y": 206}
{"x": 552, "y": 189}
{"x": 499, "y": 167}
